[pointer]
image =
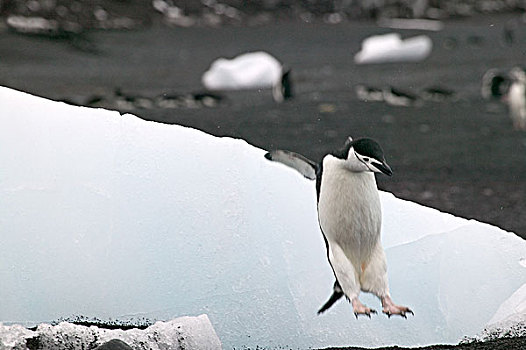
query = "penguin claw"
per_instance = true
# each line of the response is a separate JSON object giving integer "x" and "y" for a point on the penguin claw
{"x": 368, "y": 314}
{"x": 360, "y": 309}
{"x": 401, "y": 311}
{"x": 390, "y": 308}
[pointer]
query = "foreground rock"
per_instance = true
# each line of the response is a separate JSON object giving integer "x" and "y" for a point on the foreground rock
{"x": 180, "y": 333}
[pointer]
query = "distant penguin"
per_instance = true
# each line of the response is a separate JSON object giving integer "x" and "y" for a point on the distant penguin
{"x": 350, "y": 218}
{"x": 125, "y": 101}
{"x": 369, "y": 94}
{"x": 282, "y": 90}
{"x": 207, "y": 99}
{"x": 437, "y": 94}
{"x": 516, "y": 98}
{"x": 495, "y": 84}
{"x": 395, "y": 97}
{"x": 192, "y": 100}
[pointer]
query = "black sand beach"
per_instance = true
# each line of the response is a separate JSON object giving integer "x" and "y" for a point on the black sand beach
{"x": 501, "y": 344}
{"x": 459, "y": 155}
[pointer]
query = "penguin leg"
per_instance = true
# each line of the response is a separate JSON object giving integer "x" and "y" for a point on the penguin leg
{"x": 374, "y": 280}
{"x": 347, "y": 277}
{"x": 373, "y": 273}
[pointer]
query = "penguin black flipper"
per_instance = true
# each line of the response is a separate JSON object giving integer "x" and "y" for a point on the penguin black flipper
{"x": 304, "y": 166}
{"x": 336, "y": 295}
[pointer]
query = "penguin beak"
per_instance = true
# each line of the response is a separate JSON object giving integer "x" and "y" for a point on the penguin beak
{"x": 384, "y": 168}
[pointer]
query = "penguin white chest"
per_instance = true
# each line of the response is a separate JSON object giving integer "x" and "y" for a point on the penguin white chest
{"x": 517, "y": 98}
{"x": 349, "y": 209}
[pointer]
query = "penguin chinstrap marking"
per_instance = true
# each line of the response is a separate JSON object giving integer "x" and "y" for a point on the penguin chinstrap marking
{"x": 350, "y": 218}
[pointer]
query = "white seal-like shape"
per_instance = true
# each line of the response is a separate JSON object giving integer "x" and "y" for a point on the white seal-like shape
{"x": 391, "y": 48}
{"x": 251, "y": 70}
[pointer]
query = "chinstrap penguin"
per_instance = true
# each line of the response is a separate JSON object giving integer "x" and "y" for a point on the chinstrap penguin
{"x": 369, "y": 94}
{"x": 396, "y": 97}
{"x": 510, "y": 88}
{"x": 350, "y": 218}
{"x": 282, "y": 89}
{"x": 495, "y": 84}
{"x": 516, "y": 98}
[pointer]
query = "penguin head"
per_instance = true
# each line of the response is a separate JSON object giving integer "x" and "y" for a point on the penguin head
{"x": 518, "y": 74}
{"x": 365, "y": 154}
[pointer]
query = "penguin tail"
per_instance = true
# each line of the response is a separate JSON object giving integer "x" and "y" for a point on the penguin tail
{"x": 336, "y": 295}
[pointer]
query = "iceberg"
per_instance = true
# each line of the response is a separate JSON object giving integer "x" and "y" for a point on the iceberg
{"x": 251, "y": 70}
{"x": 391, "y": 48}
{"x": 111, "y": 216}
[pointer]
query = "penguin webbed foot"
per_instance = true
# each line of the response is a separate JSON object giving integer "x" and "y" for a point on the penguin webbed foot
{"x": 361, "y": 309}
{"x": 402, "y": 313}
{"x": 365, "y": 313}
{"x": 390, "y": 308}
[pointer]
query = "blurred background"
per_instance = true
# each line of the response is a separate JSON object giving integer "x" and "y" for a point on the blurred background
{"x": 446, "y": 118}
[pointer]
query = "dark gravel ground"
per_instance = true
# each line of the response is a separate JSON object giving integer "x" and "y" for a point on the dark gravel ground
{"x": 460, "y": 155}
{"x": 501, "y": 344}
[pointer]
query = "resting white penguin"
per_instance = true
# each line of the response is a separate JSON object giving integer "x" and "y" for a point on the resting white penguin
{"x": 350, "y": 218}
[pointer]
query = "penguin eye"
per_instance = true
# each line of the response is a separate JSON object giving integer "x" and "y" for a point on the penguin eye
{"x": 365, "y": 159}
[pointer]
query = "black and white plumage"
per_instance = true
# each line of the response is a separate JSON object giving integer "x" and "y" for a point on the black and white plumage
{"x": 305, "y": 166}
{"x": 282, "y": 90}
{"x": 349, "y": 214}
{"x": 495, "y": 84}
{"x": 126, "y": 101}
{"x": 396, "y": 97}
{"x": 369, "y": 94}
{"x": 437, "y": 94}
{"x": 516, "y": 98}
{"x": 510, "y": 88}
{"x": 190, "y": 100}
